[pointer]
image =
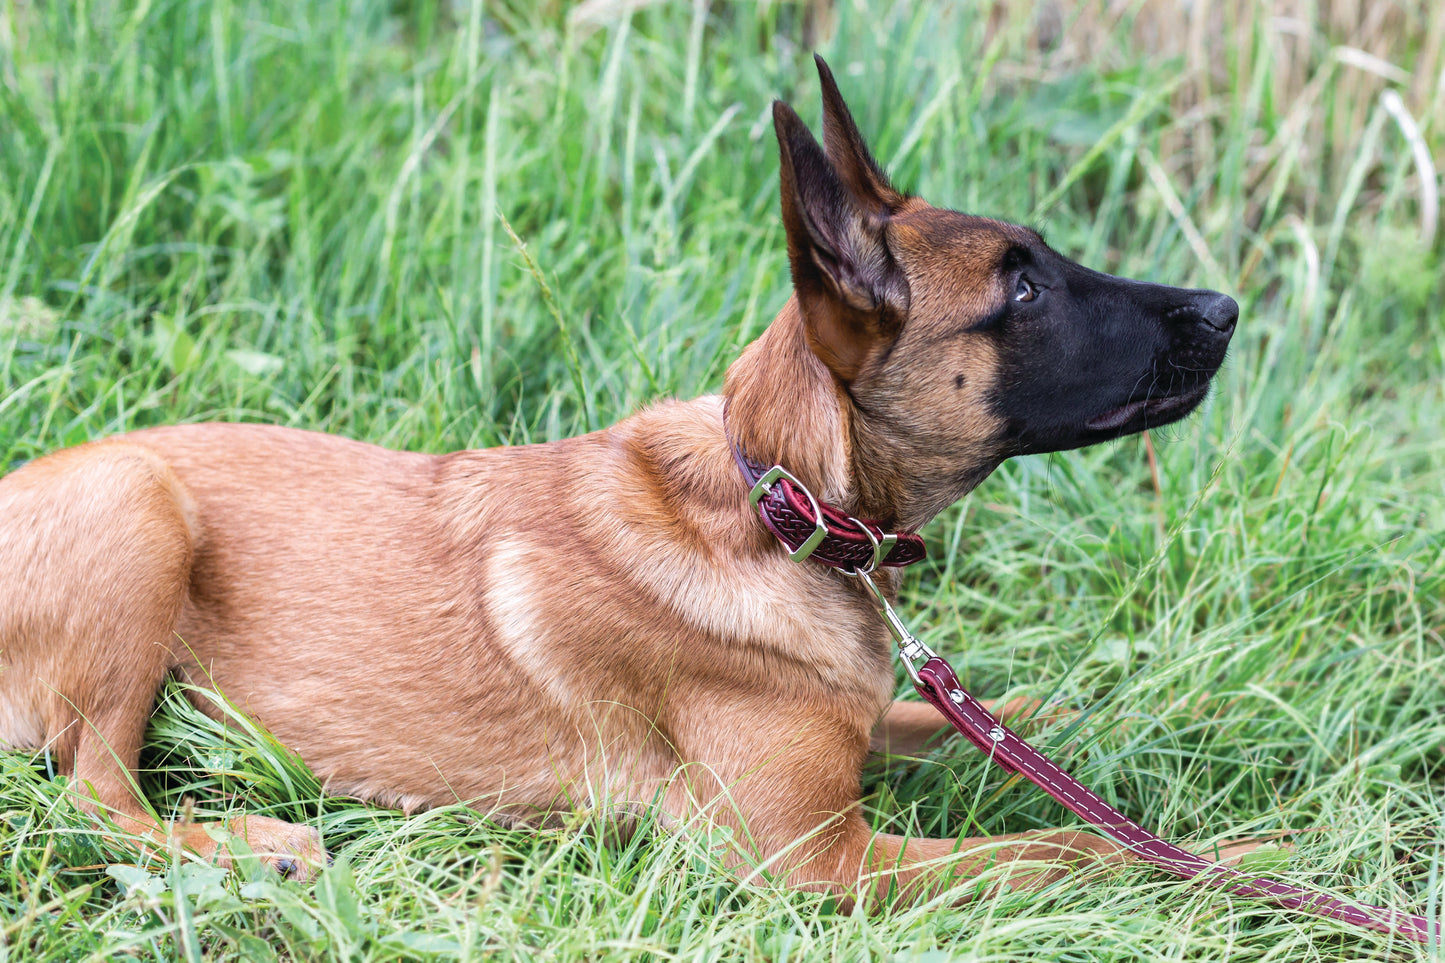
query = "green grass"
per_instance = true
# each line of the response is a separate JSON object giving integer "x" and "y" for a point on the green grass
{"x": 438, "y": 225}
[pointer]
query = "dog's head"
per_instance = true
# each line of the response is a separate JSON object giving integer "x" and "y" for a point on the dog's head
{"x": 962, "y": 341}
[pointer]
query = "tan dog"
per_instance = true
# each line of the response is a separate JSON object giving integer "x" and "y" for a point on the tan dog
{"x": 602, "y": 620}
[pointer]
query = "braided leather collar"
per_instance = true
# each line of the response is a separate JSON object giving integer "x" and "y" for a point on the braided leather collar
{"x": 819, "y": 531}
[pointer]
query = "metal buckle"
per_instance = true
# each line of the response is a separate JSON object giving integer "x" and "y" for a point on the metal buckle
{"x": 765, "y": 484}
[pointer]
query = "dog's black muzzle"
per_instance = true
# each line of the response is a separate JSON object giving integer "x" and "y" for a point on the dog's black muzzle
{"x": 1194, "y": 328}
{"x": 1110, "y": 356}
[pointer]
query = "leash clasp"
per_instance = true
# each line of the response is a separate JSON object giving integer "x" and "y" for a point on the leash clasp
{"x": 764, "y": 485}
{"x": 911, "y": 649}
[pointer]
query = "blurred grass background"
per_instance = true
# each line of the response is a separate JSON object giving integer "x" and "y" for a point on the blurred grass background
{"x": 443, "y": 224}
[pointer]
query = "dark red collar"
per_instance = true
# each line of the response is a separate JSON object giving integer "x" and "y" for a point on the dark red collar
{"x": 815, "y": 530}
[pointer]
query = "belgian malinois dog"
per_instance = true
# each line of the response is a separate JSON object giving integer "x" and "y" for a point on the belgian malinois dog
{"x": 602, "y": 621}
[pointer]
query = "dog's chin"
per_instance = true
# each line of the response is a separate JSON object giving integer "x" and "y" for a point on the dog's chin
{"x": 1126, "y": 419}
{"x": 1145, "y": 413}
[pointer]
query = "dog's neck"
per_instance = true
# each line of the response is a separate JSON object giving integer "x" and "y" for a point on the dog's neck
{"x": 785, "y": 407}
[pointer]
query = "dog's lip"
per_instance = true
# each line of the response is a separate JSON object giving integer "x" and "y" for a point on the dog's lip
{"x": 1149, "y": 407}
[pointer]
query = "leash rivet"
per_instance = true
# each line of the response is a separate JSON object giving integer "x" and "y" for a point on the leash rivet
{"x": 956, "y": 695}
{"x": 996, "y": 734}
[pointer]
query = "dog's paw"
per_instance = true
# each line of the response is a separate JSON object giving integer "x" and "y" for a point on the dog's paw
{"x": 1253, "y": 855}
{"x": 296, "y": 852}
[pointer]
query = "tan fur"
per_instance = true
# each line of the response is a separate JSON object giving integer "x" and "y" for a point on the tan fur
{"x": 600, "y": 621}
{"x": 529, "y": 630}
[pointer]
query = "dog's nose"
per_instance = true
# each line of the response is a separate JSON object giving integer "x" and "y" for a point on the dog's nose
{"x": 1219, "y": 311}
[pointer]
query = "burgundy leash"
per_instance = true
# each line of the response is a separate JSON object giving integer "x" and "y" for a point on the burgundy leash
{"x": 857, "y": 547}
{"x": 1002, "y": 745}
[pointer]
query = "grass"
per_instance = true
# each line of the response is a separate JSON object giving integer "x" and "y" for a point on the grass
{"x": 434, "y": 225}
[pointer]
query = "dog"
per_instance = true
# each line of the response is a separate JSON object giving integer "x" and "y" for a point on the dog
{"x": 602, "y": 620}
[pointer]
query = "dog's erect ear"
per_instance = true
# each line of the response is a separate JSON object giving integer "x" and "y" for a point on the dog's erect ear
{"x": 856, "y": 167}
{"x": 853, "y": 295}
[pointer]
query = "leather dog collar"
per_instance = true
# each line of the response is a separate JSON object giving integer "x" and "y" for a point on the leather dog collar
{"x": 816, "y": 530}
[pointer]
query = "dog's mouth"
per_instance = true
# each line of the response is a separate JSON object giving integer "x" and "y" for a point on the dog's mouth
{"x": 1149, "y": 412}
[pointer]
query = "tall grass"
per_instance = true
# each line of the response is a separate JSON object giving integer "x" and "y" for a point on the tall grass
{"x": 436, "y": 225}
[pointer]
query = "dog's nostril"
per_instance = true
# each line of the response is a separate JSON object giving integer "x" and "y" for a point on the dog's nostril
{"x": 1219, "y": 311}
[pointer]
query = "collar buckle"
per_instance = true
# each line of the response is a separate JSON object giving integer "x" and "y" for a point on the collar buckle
{"x": 764, "y": 485}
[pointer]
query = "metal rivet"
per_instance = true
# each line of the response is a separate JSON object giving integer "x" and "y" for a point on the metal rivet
{"x": 956, "y": 695}
{"x": 996, "y": 734}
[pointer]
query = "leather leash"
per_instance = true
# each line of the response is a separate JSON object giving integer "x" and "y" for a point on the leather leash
{"x": 809, "y": 529}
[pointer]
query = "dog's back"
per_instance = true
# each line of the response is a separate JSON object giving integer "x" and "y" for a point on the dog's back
{"x": 500, "y": 627}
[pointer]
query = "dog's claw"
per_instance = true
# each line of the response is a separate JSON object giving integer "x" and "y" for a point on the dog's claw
{"x": 295, "y": 852}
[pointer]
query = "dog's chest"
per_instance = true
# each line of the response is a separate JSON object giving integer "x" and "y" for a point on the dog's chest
{"x": 587, "y": 627}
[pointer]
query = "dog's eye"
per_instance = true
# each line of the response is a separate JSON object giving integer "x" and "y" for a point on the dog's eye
{"x": 1025, "y": 290}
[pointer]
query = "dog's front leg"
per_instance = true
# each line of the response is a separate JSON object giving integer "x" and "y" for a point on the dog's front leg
{"x": 788, "y": 788}
{"x": 907, "y": 728}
